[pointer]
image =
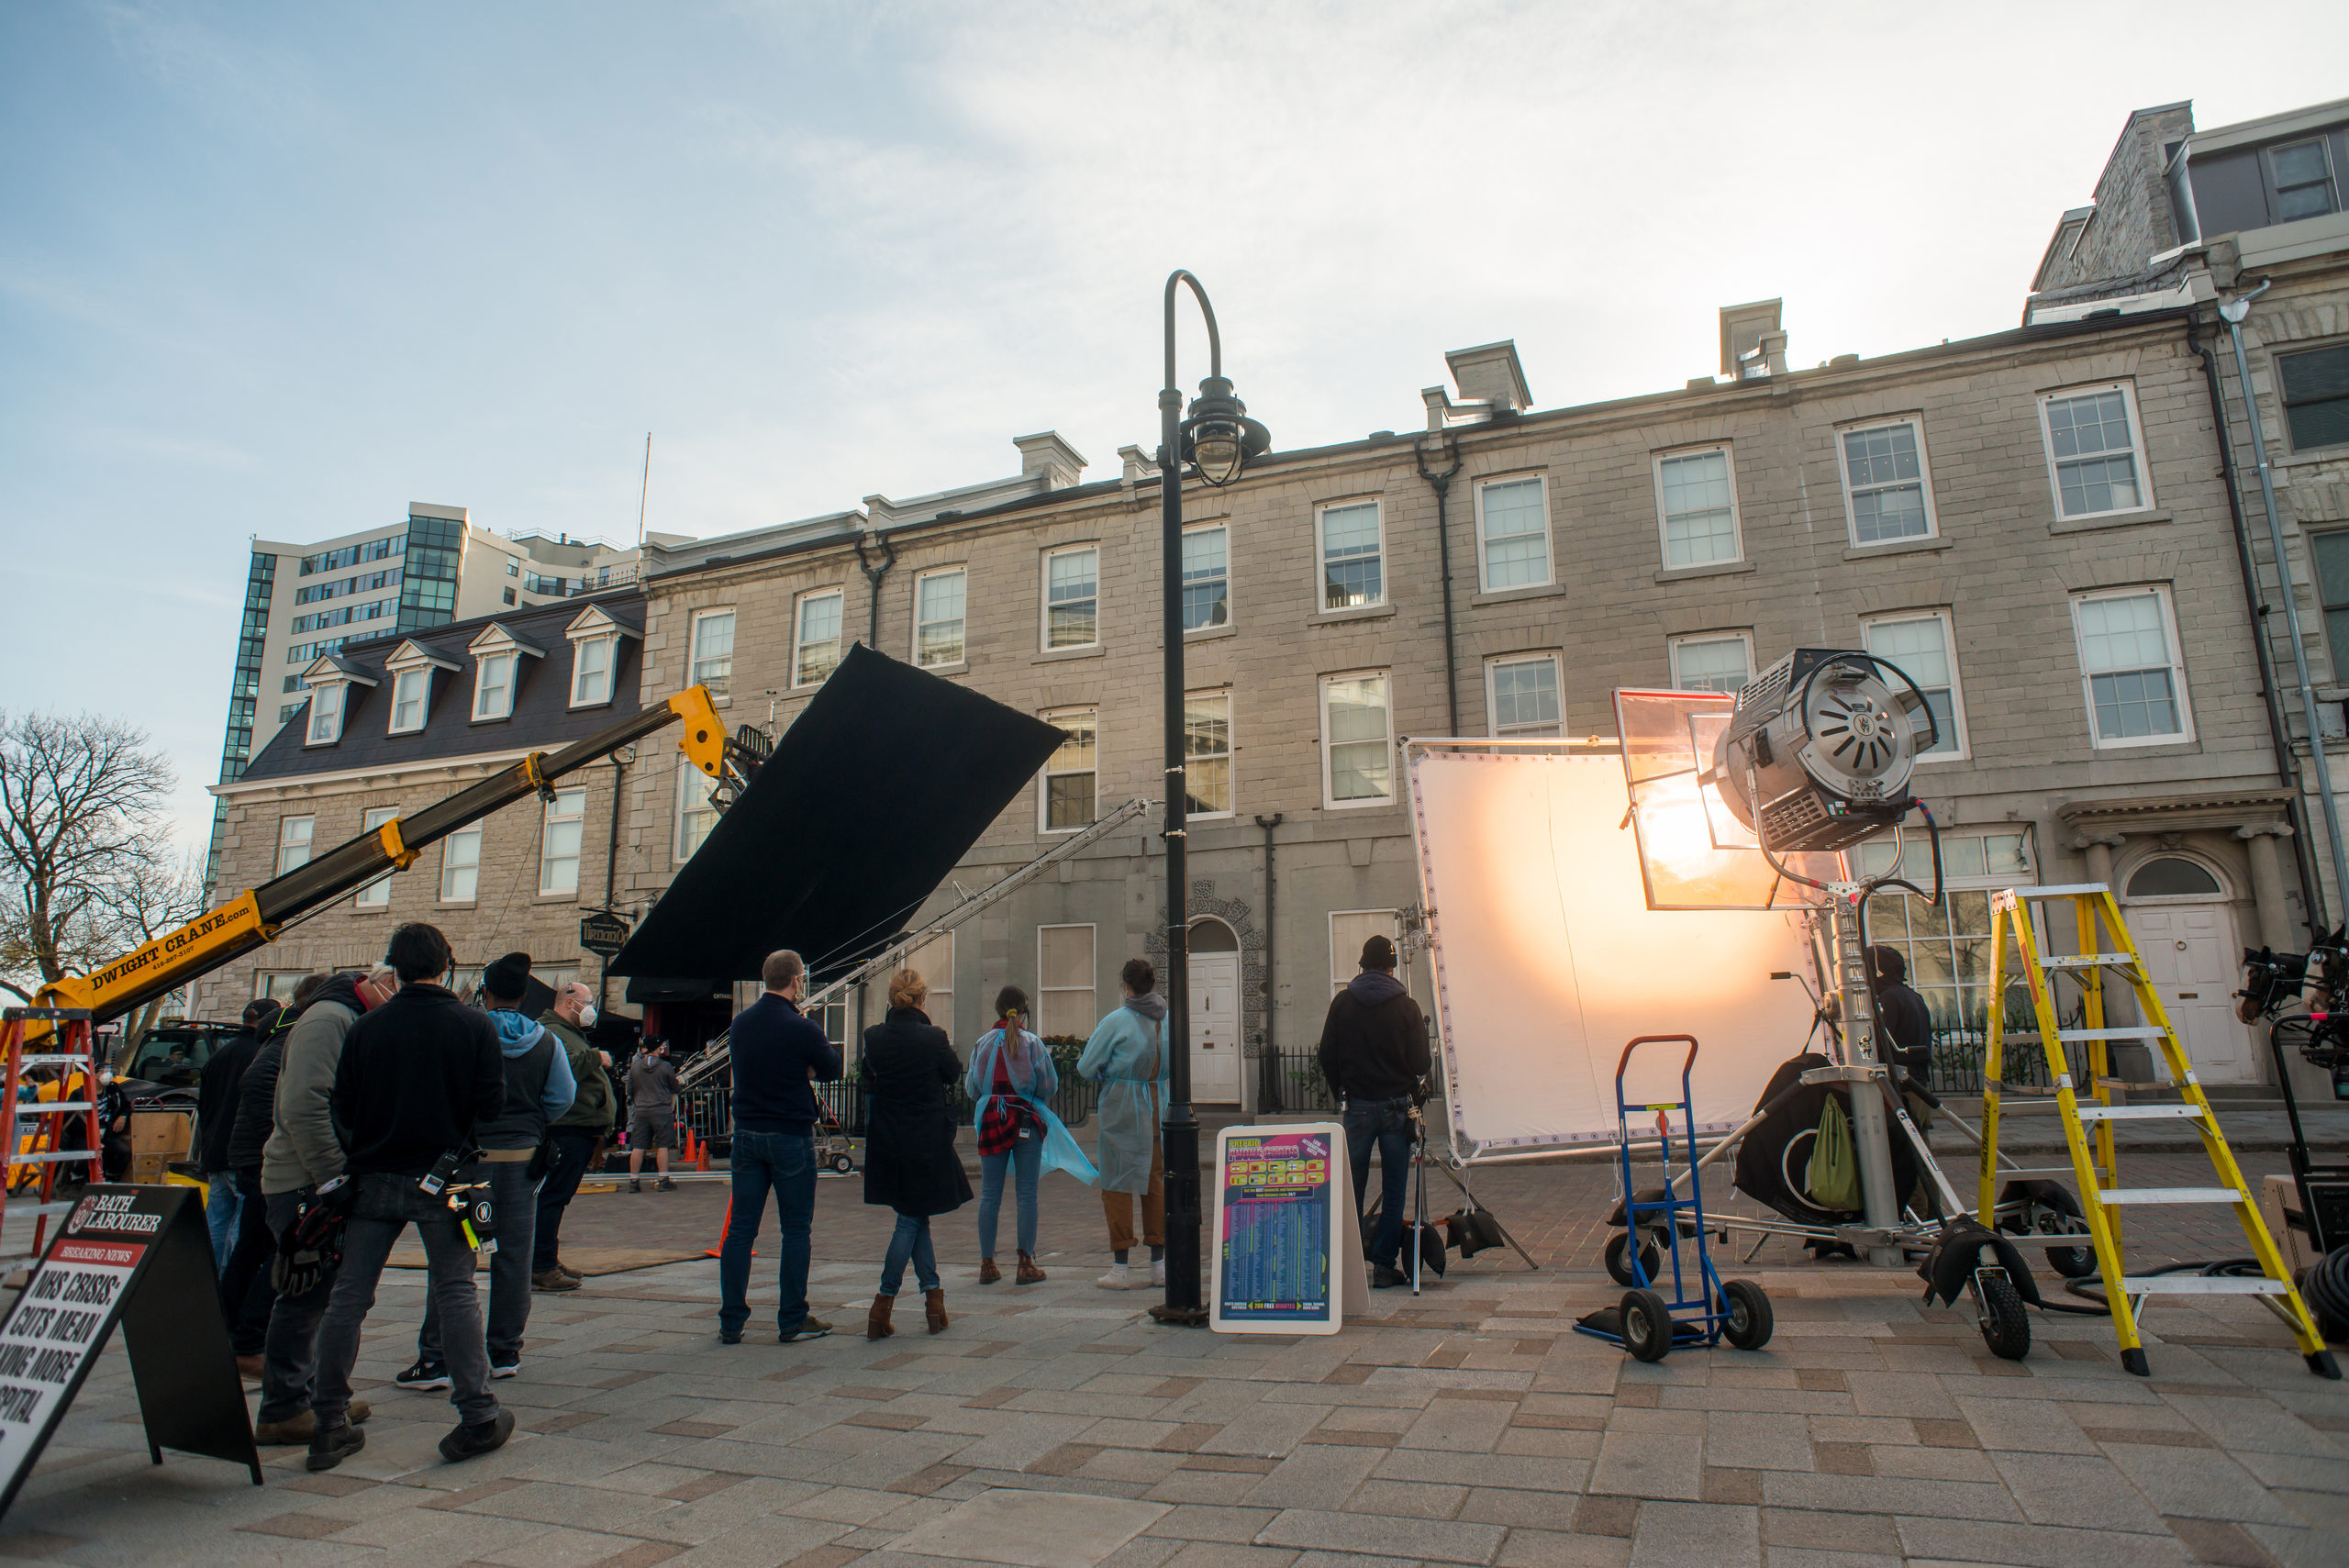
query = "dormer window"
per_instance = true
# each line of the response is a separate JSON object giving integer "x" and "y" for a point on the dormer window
{"x": 591, "y": 676}
{"x": 497, "y": 672}
{"x": 493, "y": 687}
{"x": 411, "y": 666}
{"x": 595, "y": 656}
{"x": 410, "y": 690}
{"x": 325, "y": 714}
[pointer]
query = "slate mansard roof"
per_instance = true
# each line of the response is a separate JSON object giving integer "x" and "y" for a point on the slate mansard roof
{"x": 543, "y": 716}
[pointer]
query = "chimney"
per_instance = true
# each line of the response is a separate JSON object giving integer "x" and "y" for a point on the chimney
{"x": 1752, "y": 343}
{"x": 1138, "y": 466}
{"x": 1490, "y": 373}
{"x": 1045, "y": 453}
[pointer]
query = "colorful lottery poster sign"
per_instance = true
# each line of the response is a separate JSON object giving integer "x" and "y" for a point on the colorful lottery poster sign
{"x": 1289, "y": 1247}
{"x": 138, "y": 1255}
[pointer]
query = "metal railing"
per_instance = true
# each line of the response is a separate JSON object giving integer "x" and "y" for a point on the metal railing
{"x": 709, "y": 1111}
{"x": 1289, "y": 1081}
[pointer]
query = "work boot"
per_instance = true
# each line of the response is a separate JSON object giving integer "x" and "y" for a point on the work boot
{"x": 933, "y": 1307}
{"x": 635, "y": 1185}
{"x": 1386, "y": 1276}
{"x": 302, "y": 1426}
{"x": 553, "y": 1280}
{"x": 330, "y": 1445}
{"x": 665, "y": 1186}
{"x": 567, "y": 1271}
{"x": 877, "y": 1323}
{"x": 810, "y": 1328}
{"x": 474, "y": 1438}
{"x": 1029, "y": 1272}
{"x": 988, "y": 1273}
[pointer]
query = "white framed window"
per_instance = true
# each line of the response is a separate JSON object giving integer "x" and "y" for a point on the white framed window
{"x": 816, "y": 642}
{"x": 276, "y": 984}
{"x": 2095, "y": 459}
{"x": 325, "y": 714}
{"x": 1696, "y": 506}
{"x": 1513, "y": 533}
{"x": 713, "y": 657}
{"x": 934, "y": 961}
{"x": 1206, "y": 578}
{"x": 2129, "y": 671}
{"x": 411, "y": 692}
{"x": 1065, "y": 998}
{"x": 591, "y": 671}
{"x": 461, "y": 866}
{"x": 1521, "y": 696}
{"x": 1925, "y": 648}
{"x": 1072, "y": 775}
{"x": 1349, "y": 929}
{"x": 696, "y": 813}
{"x": 566, "y": 820}
{"x": 376, "y": 895}
{"x": 1351, "y": 543}
{"x": 1711, "y": 661}
{"x": 1207, "y": 754}
{"x": 1887, "y": 486}
{"x": 293, "y": 836}
{"x": 493, "y": 686}
{"x": 1357, "y": 741}
{"x": 1072, "y": 598}
{"x": 939, "y": 602}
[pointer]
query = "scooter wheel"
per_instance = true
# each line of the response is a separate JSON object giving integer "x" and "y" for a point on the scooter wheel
{"x": 1618, "y": 1262}
{"x": 2006, "y": 1327}
{"x": 1750, "y": 1318}
{"x": 1647, "y": 1325}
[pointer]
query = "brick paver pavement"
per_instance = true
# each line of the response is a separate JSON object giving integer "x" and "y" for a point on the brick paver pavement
{"x": 1056, "y": 1425}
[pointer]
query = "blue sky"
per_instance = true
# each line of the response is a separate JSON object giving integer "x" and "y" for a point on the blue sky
{"x": 281, "y": 269}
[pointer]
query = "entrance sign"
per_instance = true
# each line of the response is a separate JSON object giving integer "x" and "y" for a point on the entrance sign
{"x": 604, "y": 933}
{"x": 1289, "y": 1245}
{"x": 140, "y": 1255}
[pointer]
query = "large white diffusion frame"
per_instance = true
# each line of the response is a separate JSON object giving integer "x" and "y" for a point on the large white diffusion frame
{"x": 1548, "y": 956}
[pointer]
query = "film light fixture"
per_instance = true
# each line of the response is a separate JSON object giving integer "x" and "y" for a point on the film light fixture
{"x": 1817, "y": 755}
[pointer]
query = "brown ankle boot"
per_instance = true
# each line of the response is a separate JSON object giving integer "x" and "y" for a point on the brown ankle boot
{"x": 933, "y": 1306}
{"x": 988, "y": 1273}
{"x": 1029, "y": 1272}
{"x": 877, "y": 1323}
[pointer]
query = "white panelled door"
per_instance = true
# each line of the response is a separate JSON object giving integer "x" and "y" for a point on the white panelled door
{"x": 2190, "y": 955}
{"x": 1215, "y": 1028}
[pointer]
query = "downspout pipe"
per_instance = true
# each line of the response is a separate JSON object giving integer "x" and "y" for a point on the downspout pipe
{"x": 620, "y": 760}
{"x": 1272, "y": 926}
{"x": 2233, "y": 312}
{"x": 1439, "y": 481}
{"x": 872, "y": 575}
{"x": 2287, "y": 770}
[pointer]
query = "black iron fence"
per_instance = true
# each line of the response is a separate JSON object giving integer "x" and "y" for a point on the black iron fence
{"x": 709, "y": 1112}
{"x": 1289, "y": 1081}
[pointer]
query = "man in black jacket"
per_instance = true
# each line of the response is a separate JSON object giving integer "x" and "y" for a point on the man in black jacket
{"x": 418, "y": 1076}
{"x": 776, "y": 1054}
{"x": 1375, "y": 1054}
{"x": 1904, "y": 1029}
{"x": 246, "y": 1294}
{"x": 216, "y": 1119}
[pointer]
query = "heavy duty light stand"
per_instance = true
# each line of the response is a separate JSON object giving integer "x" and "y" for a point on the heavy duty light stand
{"x": 1217, "y": 440}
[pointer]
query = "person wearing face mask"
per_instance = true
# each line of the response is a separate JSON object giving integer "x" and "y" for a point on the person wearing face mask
{"x": 574, "y": 1137}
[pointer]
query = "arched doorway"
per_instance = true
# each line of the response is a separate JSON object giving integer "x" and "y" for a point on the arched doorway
{"x": 2178, "y": 910}
{"x": 1215, "y": 1012}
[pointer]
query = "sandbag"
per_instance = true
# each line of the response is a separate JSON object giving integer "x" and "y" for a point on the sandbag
{"x": 1832, "y": 1176}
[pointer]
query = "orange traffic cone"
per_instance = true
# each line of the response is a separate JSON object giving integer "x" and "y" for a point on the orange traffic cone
{"x": 724, "y": 1226}
{"x": 701, "y": 1153}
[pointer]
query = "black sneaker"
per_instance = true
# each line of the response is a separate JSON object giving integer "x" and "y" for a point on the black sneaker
{"x": 506, "y": 1369}
{"x": 474, "y": 1438}
{"x": 634, "y": 1185}
{"x": 1382, "y": 1277}
{"x": 330, "y": 1445}
{"x": 424, "y": 1375}
{"x": 665, "y": 1186}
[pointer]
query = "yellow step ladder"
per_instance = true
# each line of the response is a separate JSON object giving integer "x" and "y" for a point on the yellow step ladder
{"x": 2096, "y": 1169}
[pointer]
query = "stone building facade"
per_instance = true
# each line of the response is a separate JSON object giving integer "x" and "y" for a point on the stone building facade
{"x": 2084, "y": 635}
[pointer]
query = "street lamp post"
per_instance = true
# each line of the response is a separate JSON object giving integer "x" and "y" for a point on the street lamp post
{"x": 1216, "y": 441}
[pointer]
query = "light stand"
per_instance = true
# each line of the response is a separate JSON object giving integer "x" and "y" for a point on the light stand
{"x": 1217, "y": 440}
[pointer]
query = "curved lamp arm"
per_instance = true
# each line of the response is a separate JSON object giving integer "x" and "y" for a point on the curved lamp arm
{"x": 1215, "y": 341}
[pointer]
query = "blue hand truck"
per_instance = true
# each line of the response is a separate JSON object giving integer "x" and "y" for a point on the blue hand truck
{"x": 1647, "y": 1323}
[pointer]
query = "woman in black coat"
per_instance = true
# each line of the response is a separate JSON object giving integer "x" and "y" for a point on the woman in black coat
{"x": 910, "y": 1165}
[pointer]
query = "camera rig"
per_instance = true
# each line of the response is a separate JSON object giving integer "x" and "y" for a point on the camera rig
{"x": 2273, "y": 982}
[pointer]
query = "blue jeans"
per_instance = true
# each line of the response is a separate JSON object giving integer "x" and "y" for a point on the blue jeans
{"x": 909, "y": 1241}
{"x": 1387, "y": 1124}
{"x": 784, "y": 1163}
{"x": 220, "y": 1210}
{"x": 1026, "y": 1159}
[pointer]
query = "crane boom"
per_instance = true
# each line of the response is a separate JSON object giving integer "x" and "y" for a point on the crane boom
{"x": 221, "y": 935}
